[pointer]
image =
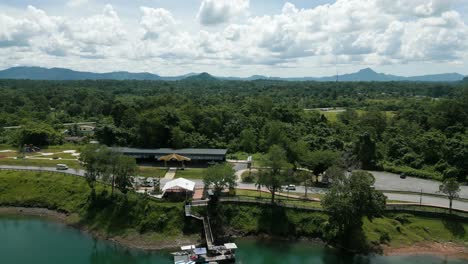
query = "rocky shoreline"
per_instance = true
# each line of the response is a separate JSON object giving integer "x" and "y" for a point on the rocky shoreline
{"x": 447, "y": 249}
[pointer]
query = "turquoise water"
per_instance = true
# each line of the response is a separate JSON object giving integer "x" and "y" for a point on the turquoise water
{"x": 33, "y": 240}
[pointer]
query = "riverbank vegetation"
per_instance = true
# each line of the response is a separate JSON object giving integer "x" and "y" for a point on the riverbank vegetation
{"x": 146, "y": 221}
{"x": 425, "y": 135}
{"x": 132, "y": 216}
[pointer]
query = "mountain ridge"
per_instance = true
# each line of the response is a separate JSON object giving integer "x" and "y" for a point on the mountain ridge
{"x": 63, "y": 74}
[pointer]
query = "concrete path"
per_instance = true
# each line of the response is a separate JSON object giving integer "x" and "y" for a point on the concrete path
{"x": 170, "y": 174}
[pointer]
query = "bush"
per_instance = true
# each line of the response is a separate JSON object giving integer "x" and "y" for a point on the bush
{"x": 424, "y": 174}
{"x": 249, "y": 177}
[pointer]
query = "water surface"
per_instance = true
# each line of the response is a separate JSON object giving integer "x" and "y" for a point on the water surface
{"x": 34, "y": 240}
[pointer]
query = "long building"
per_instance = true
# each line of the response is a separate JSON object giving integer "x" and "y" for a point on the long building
{"x": 194, "y": 154}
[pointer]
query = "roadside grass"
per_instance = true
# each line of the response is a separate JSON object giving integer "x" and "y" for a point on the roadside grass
{"x": 154, "y": 172}
{"x": 281, "y": 197}
{"x": 191, "y": 173}
{"x": 39, "y": 162}
{"x": 123, "y": 215}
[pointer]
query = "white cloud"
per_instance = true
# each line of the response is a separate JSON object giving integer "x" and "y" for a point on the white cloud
{"x": 77, "y": 3}
{"x": 214, "y": 12}
{"x": 156, "y": 22}
{"x": 348, "y": 31}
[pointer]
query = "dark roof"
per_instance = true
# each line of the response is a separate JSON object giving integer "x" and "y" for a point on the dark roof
{"x": 165, "y": 151}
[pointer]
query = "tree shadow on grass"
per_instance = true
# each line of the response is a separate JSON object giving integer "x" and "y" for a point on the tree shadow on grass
{"x": 455, "y": 227}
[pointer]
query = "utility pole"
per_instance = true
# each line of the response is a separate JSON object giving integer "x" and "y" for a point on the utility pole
{"x": 420, "y": 198}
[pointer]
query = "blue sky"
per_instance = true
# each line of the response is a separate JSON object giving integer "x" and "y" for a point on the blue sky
{"x": 237, "y": 37}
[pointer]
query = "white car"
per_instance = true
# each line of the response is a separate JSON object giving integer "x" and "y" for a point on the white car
{"x": 291, "y": 187}
{"x": 61, "y": 167}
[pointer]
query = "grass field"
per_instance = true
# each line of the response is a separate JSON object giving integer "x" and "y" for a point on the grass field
{"x": 154, "y": 172}
{"x": 191, "y": 173}
{"x": 332, "y": 116}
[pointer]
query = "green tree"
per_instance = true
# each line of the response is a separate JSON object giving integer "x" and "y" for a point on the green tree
{"x": 126, "y": 167}
{"x": 349, "y": 200}
{"x": 220, "y": 177}
{"x": 89, "y": 160}
{"x": 276, "y": 172}
{"x": 451, "y": 188}
{"x": 248, "y": 140}
{"x": 320, "y": 160}
{"x": 366, "y": 151}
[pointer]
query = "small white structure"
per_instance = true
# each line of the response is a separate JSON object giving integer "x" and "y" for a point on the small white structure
{"x": 179, "y": 184}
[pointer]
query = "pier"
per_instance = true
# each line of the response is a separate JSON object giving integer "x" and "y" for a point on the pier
{"x": 213, "y": 253}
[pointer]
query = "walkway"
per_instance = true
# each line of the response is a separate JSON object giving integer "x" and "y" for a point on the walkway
{"x": 170, "y": 174}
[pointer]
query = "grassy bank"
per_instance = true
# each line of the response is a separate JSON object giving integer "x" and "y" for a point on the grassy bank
{"x": 145, "y": 221}
{"x": 393, "y": 230}
{"x": 132, "y": 216}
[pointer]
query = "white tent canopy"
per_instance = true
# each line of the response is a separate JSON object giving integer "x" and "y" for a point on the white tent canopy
{"x": 179, "y": 183}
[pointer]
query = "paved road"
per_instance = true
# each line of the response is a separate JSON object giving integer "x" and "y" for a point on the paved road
{"x": 387, "y": 181}
{"x": 427, "y": 200}
{"x": 391, "y": 181}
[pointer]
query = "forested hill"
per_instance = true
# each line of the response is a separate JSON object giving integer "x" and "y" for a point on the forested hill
{"x": 367, "y": 75}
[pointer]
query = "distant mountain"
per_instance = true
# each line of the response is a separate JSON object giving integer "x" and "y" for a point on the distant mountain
{"x": 204, "y": 76}
{"x": 39, "y": 73}
{"x": 364, "y": 75}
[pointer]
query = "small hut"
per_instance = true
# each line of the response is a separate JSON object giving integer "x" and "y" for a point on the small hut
{"x": 174, "y": 157}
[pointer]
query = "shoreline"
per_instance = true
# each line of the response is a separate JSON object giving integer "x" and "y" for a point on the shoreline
{"x": 133, "y": 242}
{"x": 442, "y": 249}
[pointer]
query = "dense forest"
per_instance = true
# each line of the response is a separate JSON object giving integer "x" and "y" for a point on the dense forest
{"x": 418, "y": 128}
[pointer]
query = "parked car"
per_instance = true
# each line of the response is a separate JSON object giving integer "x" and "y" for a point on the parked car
{"x": 291, "y": 187}
{"x": 61, "y": 167}
{"x": 403, "y": 176}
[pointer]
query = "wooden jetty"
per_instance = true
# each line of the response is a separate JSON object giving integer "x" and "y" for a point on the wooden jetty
{"x": 212, "y": 253}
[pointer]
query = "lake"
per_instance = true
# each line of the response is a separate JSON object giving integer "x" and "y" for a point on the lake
{"x": 38, "y": 241}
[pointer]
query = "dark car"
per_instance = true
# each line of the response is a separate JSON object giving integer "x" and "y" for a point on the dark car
{"x": 403, "y": 176}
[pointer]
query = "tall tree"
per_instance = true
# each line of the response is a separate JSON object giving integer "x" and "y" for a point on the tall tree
{"x": 276, "y": 172}
{"x": 451, "y": 188}
{"x": 220, "y": 177}
{"x": 366, "y": 151}
{"x": 126, "y": 167}
{"x": 349, "y": 199}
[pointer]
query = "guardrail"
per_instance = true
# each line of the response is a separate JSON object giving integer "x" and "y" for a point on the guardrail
{"x": 394, "y": 207}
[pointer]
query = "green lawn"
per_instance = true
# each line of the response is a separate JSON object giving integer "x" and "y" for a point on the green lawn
{"x": 154, "y": 172}
{"x": 191, "y": 173}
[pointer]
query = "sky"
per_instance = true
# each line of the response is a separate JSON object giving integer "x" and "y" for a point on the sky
{"x": 237, "y": 37}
